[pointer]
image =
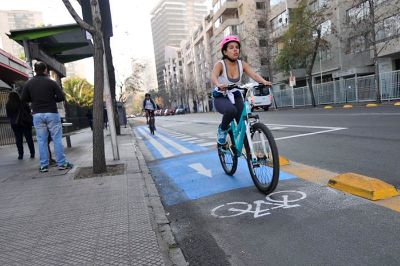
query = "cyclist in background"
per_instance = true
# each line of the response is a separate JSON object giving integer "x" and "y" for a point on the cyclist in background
{"x": 227, "y": 71}
{"x": 148, "y": 105}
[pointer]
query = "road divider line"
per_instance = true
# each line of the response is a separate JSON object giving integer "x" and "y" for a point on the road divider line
{"x": 163, "y": 151}
{"x": 208, "y": 144}
{"x": 309, "y": 134}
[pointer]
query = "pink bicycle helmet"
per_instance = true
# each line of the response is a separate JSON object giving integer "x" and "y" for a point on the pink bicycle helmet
{"x": 229, "y": 38}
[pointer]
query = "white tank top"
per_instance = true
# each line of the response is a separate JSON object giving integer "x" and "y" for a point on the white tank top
{"x": 224, "y": 79}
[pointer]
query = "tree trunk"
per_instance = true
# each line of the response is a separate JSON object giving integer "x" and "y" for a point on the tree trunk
{"x": 310, "y": 67}
{"x": 99, "y": 161}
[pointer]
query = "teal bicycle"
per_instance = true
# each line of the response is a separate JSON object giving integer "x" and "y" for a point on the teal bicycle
{"x": 251, "y": 139}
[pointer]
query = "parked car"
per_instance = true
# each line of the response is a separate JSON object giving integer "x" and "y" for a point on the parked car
{"x": 158, "y": 112}
{"x": 260, "y": 97}
{"x": 180, "y": 111}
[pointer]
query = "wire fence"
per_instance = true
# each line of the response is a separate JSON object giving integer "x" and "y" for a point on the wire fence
{"x": 352, "y": 90}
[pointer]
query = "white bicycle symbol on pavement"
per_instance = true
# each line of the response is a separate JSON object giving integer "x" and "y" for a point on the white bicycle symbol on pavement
{"x": 275, "y": 200}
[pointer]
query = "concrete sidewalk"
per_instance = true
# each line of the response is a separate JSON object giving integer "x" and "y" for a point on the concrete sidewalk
{"x": 52, "y": 219}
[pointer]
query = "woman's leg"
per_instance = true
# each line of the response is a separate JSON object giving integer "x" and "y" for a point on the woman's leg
{"x": 227, "y": 109}
{"x": 239, "y": 107}
{"x": 18, "y": 140}
{"x": 29, "y": 140}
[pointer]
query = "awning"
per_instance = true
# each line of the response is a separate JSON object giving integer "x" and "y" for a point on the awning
{"x": 4, "y": 85}
{"x": 64, "y": 43}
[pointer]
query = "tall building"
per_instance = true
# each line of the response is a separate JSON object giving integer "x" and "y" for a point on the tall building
{"x": 172, "y": 22}
{"x": 15, "y": 20}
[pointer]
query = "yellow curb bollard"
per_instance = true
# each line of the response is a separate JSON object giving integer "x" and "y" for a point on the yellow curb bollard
{"x": 372, "y": 105}
{"x": 363, "y": 186}
{"x": 328, "y": 107}
{"x": 347, "y": 106}
{"x": 397, "y": 104}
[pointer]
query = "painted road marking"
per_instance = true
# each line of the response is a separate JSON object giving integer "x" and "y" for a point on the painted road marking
{"x": 174, "y": 144}
{"x": 309, "y": 134}
{"x": 178, "y": 182}
{"x": 208, "y": 143}
{"x": 278, "y": 199}
{"x": 164, "y": 151}
{"x": 201, "y": 169}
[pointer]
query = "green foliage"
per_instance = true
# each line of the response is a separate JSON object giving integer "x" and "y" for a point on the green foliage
{"x": 299, "y": 41}
{"x": 78, "y": 91}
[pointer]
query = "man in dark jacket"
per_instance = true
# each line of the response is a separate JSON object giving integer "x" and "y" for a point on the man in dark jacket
{"x": 44, "y": 94}
{"x": 148, "y": 105}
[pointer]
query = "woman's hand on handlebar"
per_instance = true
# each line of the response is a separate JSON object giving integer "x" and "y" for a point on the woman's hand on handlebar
{"x": 222, "y": 87}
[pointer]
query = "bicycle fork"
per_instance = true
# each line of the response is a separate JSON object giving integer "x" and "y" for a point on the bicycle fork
{"x": 250, "y": 141}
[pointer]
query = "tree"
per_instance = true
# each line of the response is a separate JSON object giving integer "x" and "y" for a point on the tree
{"x": 78, "y": 91}
{"x": 302, "y": 40}
{"x": 99, "y": 160}
{"x": 372, "y": 25}
{"x": 134, "y": 83}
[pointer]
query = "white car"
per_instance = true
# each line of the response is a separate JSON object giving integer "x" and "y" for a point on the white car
{"x": 259, "y": 96}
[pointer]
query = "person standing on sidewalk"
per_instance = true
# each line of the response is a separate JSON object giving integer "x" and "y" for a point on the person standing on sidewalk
{"x": 13, "y": 107}
{"x": 44, "y": 94}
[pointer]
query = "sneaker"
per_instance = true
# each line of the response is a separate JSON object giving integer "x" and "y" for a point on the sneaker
{"x": 44, "y": 169}
{"x": 221, "y": 136}
{"x": 66, "y": 165}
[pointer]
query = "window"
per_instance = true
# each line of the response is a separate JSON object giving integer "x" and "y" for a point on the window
{"x": 218, "y": 22}
{"x": 326, "y": 28}
{"x": 260, "y": 5}
{"x": 387, "y": 28}
{"x": 261, "y": 24}
{"x": 263, "y": 91}
{"x": 263, "y": 43}
{"x": 280, "y": 21}
{"x": 231, "y": 30}
{"x": 357, "y": 13}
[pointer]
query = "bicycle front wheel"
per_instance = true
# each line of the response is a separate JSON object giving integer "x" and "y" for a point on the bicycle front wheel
{"x": 264, "y": 166}
{"x": 227, "y": 155}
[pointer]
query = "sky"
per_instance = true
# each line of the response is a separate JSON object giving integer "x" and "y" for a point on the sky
{"x": 131, "y": 25}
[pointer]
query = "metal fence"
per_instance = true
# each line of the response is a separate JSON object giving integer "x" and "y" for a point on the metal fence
{"x": 352, "y": 90}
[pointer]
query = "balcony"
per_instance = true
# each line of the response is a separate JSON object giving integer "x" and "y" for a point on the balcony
{"x": 226, "y": 23}
{"x": 228, "y": 8}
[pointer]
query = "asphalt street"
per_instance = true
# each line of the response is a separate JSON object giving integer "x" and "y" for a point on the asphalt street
{"x": 223, "y": 220}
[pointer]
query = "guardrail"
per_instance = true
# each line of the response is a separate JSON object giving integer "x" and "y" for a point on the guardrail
{"x": 352, "y": 90}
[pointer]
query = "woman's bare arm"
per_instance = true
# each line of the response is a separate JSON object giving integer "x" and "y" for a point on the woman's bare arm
{"x": 247, "y": 69}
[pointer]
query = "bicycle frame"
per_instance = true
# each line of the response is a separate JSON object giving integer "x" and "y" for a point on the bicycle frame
{"x": 242, "y": 129}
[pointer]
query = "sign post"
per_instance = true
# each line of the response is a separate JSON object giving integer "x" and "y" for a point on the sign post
{"x": 292, "y": 83}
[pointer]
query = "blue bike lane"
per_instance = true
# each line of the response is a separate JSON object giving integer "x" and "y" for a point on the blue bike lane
{"x": 194, "y": 175}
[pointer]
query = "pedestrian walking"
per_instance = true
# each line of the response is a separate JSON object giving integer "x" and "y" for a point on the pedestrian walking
{"x": 15, "y": 110}
{"x": 44, "y": 94}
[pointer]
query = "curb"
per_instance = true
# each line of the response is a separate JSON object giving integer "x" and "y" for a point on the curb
{"x": 160, "y": 222}
{"x": 363, "y": 186}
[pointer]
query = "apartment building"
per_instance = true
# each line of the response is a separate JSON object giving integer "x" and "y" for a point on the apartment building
{"x": 172, "y": 21}
{"x": 14, "y": 20}
{"x": 350, "y": 53}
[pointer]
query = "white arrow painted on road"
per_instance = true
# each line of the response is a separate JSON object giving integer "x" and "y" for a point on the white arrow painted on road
{"x": 201, "y": 169}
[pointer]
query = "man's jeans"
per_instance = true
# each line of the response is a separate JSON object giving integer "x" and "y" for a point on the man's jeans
{"x": 45, "y": 123}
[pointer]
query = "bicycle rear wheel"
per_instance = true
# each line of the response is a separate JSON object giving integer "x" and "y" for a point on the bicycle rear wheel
{"x": 227, "y": 155}
{"x": 264, "y": 169}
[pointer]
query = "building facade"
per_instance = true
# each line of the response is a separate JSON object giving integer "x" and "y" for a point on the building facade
{"x": 172, "y": 21}
{"x": 13, "y": 20}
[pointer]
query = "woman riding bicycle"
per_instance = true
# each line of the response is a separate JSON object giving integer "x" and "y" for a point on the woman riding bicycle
{"x": 148, "y": 105}
{"x": 226, "y": 71}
